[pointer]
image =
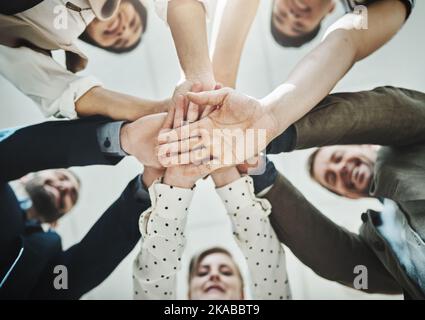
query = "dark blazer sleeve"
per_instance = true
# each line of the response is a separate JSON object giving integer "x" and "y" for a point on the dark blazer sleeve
{"x": 329, "y": 250}
{"x": 108, "y": 242}
{"x": 385, "y": 116}
{"x": 17, "y": 6}
{"x": 51, "y": 145}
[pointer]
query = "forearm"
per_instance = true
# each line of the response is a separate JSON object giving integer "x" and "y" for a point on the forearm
{"x": 311, "y": 80}
{"x": 317, "y": 74}
{"x": 75, "y": 144}
{"x": 102, "y": 249}
{"x": 328, "y": 249}
{"x": 384, "y": 116}
{"x": 256, "y": 239}
{"x": 163, "y": 232}
{"x": 188, "y": 27}
{"x": 115, "y": 105}
{"x": 234, "y": 21}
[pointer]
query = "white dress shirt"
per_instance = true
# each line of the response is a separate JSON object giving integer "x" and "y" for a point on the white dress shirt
{"x": 53, "y": 88}
{"x": 64, "y": 24}
{"x": 161, "y": 7}
{"x": 163, "y": 232}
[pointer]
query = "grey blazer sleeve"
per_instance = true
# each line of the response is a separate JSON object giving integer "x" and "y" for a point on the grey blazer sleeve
{"x": 385, "y": 116}
{"x": 328, "y": 249}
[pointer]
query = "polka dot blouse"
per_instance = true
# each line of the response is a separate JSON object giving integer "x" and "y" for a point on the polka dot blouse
{"x": 163, "y": 240}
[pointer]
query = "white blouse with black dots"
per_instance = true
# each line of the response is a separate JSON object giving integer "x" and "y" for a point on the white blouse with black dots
{"x": 163, "y": 232}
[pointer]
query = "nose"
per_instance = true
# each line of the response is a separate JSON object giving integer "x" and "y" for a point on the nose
{"x": 293, "y": 15}
{"x": 65, "y": 186}
{"x": 340, "y": 168}
{"x": 214, "y": 276}
{"x": 125, "y": 30}
{"x": 343, "y": 171}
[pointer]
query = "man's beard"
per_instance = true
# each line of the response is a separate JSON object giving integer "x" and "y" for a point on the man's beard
{"x": 42, "y": 201}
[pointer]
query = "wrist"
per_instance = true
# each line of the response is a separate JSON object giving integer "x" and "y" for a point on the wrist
{"x": 225, "y": 176}
{"x": 163, "y": 105}
{"x": 150, "y": 175}
{"x": 125, "y": 138}
{"x": 203, "y": 76}
{"x": 178, "y": 180}
{"x": 275, "y": 122}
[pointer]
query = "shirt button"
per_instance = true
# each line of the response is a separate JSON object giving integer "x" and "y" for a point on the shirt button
{"x": 107, "y": 143}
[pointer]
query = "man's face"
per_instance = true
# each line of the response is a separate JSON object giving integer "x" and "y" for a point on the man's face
{"x": 346, "y": 170}
{"x": 295, "y": 18}
{"x": 122, "y": 30}
{"x": 217, "y": 278}
{"x": 53, "y": 192}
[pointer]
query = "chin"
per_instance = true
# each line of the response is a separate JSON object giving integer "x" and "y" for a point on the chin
{"x": 213, "y": 296}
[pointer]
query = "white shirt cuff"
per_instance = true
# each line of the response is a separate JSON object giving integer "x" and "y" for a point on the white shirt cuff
{"x": 65, "y": 104}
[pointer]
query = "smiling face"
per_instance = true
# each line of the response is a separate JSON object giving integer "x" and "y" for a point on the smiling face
{"x": 123, "y": 30}
{"x": 345, "y": 170}
{"x": 297, "y": 18}
{"x": 216, "y": 278}
{"x": 52, "y": 192}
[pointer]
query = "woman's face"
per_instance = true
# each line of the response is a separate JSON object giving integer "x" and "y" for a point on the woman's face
{"x": 122, "y": 30}
{"x": 217, "y": 278}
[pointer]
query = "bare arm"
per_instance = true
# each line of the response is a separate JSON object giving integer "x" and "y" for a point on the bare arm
{"x": 188, "y": 27}
{"x": 117, "y": 106}
{"x": 229, "y": 40}
{"x": 317, "y": 74}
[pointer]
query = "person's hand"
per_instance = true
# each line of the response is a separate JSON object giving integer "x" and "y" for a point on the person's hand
{"x": 193, "y": 85}
{"x": 184, "y": 176}
{"x": 212, "y": 137}
{"x": 139, "y": 138}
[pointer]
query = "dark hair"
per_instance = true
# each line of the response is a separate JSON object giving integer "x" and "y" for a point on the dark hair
{"x": 42, "y": 202}
{"x": 310, "y": 168}
{"x": 143, "y": 14}
{"x": 310, "y": 163}
{"x": 197, "y": 259}
{"x": 292, "y": 41}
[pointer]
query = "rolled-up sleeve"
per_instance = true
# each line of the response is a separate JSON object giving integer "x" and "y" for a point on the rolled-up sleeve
{"x": 161, "y": 8}
{"x": 53, "y": 88}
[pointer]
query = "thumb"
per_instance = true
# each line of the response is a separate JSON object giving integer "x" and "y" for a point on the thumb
{"x": 212, "y": 98}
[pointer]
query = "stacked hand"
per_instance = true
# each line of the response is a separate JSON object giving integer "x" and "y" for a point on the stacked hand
{"x": 210, "y": 140}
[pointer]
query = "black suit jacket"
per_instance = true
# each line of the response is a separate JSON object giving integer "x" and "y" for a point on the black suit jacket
{"x": 17, "y": 6}
{"x": 61, "y": 144}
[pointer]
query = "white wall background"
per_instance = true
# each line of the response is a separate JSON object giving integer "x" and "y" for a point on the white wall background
{"x": 152, "y": 72}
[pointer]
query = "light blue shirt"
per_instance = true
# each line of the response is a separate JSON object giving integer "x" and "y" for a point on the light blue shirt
{"x": 406, "y": 244}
